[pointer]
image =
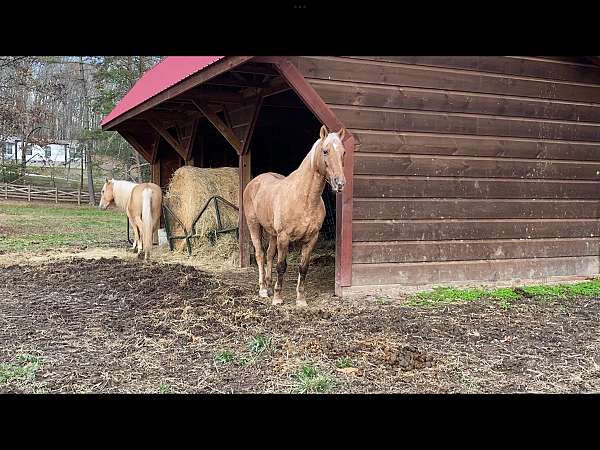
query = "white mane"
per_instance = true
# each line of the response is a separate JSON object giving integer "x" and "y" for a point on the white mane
{"x": 122, "y": 191}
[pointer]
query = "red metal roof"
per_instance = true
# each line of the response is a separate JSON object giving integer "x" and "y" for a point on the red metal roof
{"x": 165, "y": 74}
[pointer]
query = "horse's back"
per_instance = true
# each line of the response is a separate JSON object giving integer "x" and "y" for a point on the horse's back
{"x": 261, "y": 183}
{"x": 137, "y": 193}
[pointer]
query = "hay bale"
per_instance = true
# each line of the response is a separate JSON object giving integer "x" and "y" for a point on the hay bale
{"x": 189, "y": 190}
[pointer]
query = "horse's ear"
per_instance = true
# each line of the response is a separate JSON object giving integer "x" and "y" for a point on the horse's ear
{"x": 324, "y": 132}
{"x": 342, "y": 133}
{"x": 106, "y": 180}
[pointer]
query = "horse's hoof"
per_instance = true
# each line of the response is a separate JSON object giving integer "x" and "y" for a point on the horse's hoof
{"x": 263, "y": 293}
{"x": 301, "y": 303}
{"x": 140, "y": 255}
{"x": 277, "y": 301}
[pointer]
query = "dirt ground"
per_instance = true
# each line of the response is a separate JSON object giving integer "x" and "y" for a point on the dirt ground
{"x": 101, "y": 321}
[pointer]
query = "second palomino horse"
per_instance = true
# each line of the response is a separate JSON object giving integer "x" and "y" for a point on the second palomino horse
{"x": 291, "y": 209}
{"x": 142, "y": 203}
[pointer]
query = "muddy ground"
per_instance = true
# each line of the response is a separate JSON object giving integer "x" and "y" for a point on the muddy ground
{"x": 119, "y": 325}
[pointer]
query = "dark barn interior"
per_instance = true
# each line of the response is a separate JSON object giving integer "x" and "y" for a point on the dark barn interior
{"x": 284, "y": 134}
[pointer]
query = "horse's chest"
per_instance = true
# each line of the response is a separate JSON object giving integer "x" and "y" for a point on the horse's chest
{"x": 305, "y": 224}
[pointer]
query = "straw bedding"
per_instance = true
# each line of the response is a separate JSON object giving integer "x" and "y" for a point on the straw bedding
{"x": 189, "y": 190}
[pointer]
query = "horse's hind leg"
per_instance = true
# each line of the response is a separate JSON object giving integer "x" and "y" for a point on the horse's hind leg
{"x": 136, "y": 234}
{"x": 255, "y": 234}
{"x": 140, "y": 226}
{"x": 283, "y": 243}
{"x": 269, "y": 270}
{"x": 307, "y": 249}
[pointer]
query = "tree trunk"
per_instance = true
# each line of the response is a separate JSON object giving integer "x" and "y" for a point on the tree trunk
{"x": 24, "y": 156}
{"x": 90, "y": 177}
{"x": 86, "y": 123}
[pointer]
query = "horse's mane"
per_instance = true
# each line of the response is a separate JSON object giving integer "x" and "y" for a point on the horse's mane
{"x": 122, "y": 191}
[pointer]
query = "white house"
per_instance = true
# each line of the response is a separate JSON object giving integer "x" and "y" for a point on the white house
{"x": 55, "y": 153}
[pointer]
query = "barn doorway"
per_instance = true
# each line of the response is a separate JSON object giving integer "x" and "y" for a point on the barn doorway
{"x": 284, "y": 133}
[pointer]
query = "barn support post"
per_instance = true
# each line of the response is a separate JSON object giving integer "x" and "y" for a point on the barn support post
{"x": 244, "y": 174}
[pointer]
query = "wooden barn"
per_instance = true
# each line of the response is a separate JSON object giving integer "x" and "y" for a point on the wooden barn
{"x": 459, "y": 169}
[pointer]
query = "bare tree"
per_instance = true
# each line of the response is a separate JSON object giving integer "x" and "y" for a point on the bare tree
{"x": 86, "y": 122}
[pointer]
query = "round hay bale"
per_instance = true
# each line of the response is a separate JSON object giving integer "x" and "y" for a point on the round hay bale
{"x": 189, "y": 190}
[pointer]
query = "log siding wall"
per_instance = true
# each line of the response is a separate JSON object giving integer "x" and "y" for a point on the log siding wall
{"x": 468, "y": 168}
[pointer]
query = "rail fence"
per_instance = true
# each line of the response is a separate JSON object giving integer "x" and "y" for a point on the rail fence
{"x": 31, "y": 192}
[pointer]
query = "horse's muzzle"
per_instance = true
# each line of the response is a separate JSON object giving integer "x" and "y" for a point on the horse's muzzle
{"x": 337, "y": 184}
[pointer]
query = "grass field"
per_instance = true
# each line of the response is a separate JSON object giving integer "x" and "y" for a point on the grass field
{"x": 39, "y": 226}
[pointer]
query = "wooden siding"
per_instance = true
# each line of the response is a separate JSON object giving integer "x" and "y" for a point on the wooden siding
{"x": 468, "y": 168}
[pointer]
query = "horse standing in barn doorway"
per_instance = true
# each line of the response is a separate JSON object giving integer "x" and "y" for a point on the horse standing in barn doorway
{"x": 291, "y": 209}
{"x": 142, "y": 203}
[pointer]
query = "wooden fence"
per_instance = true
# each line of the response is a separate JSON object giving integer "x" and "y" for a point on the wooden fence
{"x": 30, "y": 192}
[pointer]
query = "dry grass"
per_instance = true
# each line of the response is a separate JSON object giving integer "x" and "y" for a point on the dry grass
{"x": 191, "y": 188}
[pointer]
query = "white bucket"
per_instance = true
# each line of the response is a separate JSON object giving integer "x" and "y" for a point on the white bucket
{"x": 162, "y": 237}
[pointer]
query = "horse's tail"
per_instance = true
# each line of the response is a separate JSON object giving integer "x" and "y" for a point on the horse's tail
{"x": 147, "y": 220}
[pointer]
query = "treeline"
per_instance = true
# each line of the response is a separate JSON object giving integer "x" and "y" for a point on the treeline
{"x": 44, "y": 99}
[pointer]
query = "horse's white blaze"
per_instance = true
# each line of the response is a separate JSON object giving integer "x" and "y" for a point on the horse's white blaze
{"x": 334, "y": 140}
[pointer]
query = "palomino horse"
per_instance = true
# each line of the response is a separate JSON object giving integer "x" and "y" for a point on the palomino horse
{"x": 142, "y": 204}
{"x": 291, "y": 209}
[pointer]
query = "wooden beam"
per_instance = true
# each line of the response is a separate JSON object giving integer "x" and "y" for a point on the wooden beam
{"x": 231, "y": 81}
{"x": 244, "y": 177}
{"x": 202, "y": 76}
{"x": 167, "y": 137}
{"x": 253, "y": 119}
{"x": 226, "y": 131}
{"x": 155, "y": 144}
{"x": 277, "y": 86}
{"x": 135, "y": 144}
{"x": 255, "y": 69}
{"x": 186, "y": 134}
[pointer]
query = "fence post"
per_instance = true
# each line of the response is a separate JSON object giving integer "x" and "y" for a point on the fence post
{"x": 28, "y": 192}
{"x": 79, "y": 196}
{"x": 55, "y": 195}
{"x": 6, "y": 191}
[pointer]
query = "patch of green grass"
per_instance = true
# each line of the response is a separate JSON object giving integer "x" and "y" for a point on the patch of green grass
{"x": 543, "y": 291}
{"x": 259, "y": 344}
{"x": 444, "y": 296}
{"x": 165, "y": 388}
{"x": 37, "y": 226}
{"x": 344, "y": 362}
{"x": 23, "y": 371}
{"x": 224, "y": 356}
{"x": 507, "y": 296}
{"x": 309, "y": 380}
{"x": 584, "y": 289}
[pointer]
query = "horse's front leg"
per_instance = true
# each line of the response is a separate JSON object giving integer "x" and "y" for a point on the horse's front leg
{"x": 255, "y": 235}
{"x": 269, "y": 269}
{"x": 307, "y": 249}
{"x": 283, "y": 243}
